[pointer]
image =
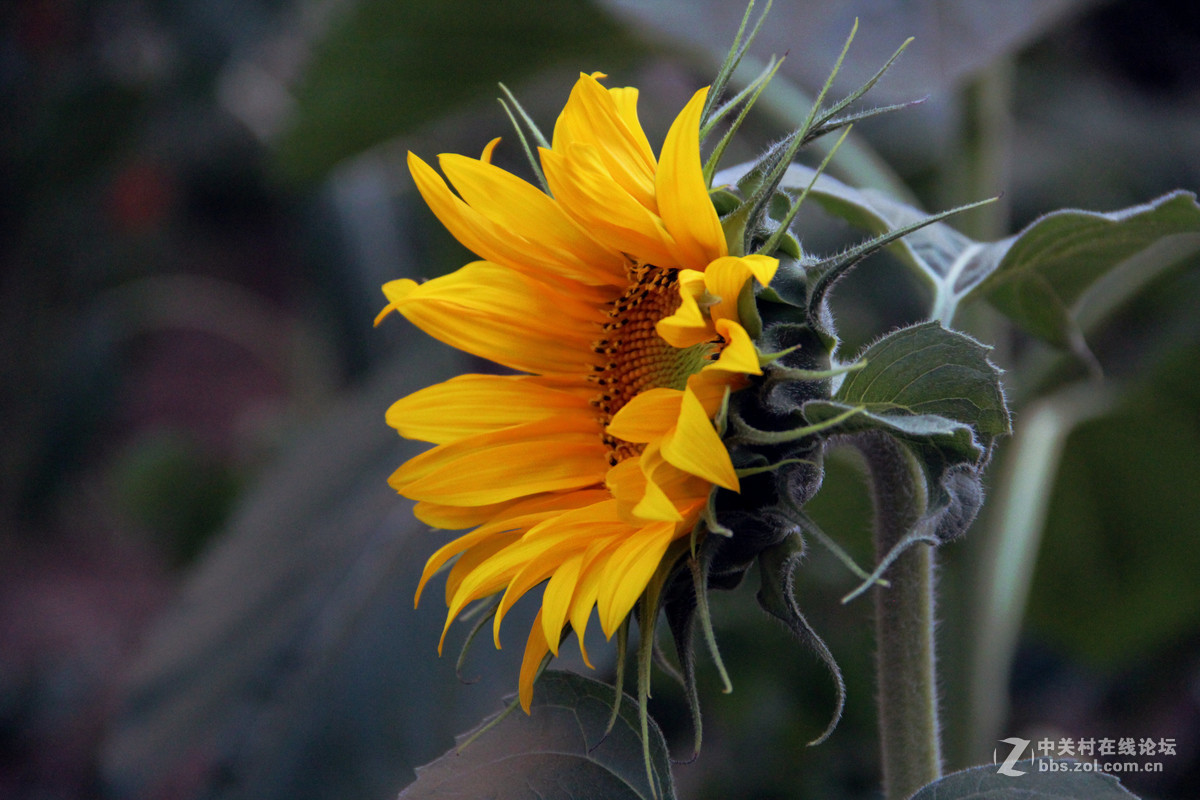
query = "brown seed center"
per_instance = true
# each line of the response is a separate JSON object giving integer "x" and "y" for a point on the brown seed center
{"x": 635, "y": 357}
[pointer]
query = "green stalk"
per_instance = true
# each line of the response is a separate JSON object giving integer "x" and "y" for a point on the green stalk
{"x": 910, "y": 734}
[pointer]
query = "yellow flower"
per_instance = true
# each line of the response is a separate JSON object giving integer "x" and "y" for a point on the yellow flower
{"x": 615, "y": 297}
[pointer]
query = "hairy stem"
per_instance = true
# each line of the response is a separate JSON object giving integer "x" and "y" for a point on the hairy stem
{"x": 906, "y": 682}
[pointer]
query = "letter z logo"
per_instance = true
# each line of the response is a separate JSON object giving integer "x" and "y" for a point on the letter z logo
{"x": 1018, "y": 747}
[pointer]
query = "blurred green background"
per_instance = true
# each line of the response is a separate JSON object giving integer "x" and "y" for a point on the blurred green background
{"x": 206, "y": 581}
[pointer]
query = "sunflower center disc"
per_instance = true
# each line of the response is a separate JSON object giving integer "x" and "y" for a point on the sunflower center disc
{"x": 635, "y": 357}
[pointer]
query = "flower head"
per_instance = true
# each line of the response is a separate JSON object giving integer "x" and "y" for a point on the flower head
{"x": 614, "y": 298}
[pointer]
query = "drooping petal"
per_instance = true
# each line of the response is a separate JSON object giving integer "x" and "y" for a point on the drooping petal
{"x": 689, "y": 324}
{"x": 628, "y": 571}
{"x": 536, "y": 649}
{"x": 739, "y": 354}
{"x": 588, "y": 587}
{"x": 514, "y": 516}
{"x": 545, "y": 544}
{"x": 647, "y": 416}
{"x": 556, "y": 599}
{"x": 696, "y": 447}
{"x": 464, "y": 567}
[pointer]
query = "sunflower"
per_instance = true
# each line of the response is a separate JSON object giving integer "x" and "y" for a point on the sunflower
{"x": 614, "y": 299}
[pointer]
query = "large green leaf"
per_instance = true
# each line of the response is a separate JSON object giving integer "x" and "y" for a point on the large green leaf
{"x": 1065, "y": 783}
{"x": 560, "y": 750}
{"x": 1036, "y": 277}
{"x": 936, "y": 391}
{"x": 389, "y": 66}
{"x": 926, "y": 369}
{"x": 931, "y": 387}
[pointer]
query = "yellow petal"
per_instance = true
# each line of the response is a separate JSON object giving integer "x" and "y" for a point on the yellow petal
{"x": 647, "y": 416}
{"x": 739, "y": 354}
{"x": 526, "y": 562}
{"x": 587, "y": 192}
{"x": 695, "y": 446}
{"x": 682, "y": 192}
{"x": 509, "y": 521}
{"x": 592, "y": 117}
{"x": 689, "y": 324}
{"x": 628, "y": 571}
{"x": 456, "y": 518}
{"x": 436, "y": 515}
{"x": 463, "y": 568}
{"x": 443, "y": 555}
{"x": 625, "y": 99}
{"x": 488, "y": 150}
{"x": 471, "y": 404}
{"x": 536, "y": 649}
{"x": 498, "y": 314}
{"x": 545, "y": 456}
{"x": 725, "y": 278}
{"x": 537, "y": 563}
{"x": 489, "y": 240}
{"x": 710, "y": 388}
{"x": 524, "y": 211}
{"x": 639, "y": 498}
{"x": 658, "y": 499}
{"x": 556, "y": 599}
{"x": 590, "y": 573}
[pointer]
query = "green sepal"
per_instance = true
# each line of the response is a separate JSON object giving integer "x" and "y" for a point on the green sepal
{"x": 746, "y": 98}
{"x": 724, "y": 201}
{"x": 741, "y": 42}
{"x": 831, "y": 270}
{"x": 747, "y": 308}
{"x": 777, "y": 567}
{"x": 534, "y": 130}
{"x": 488, "y": 613}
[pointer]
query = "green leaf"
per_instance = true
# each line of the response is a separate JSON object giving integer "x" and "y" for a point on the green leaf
{"x": 928, "y": 386}
{"x": 926, "y": 369}
{"x": 986, "y": 783}
{"x": 560, "y": 750}
{"x": 389, "y": 66}
{"x": 936, "y": 391}
{"x": 1037, "y": 276}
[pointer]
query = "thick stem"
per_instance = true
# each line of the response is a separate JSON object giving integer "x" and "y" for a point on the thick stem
{"x": 906, "y": 680}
